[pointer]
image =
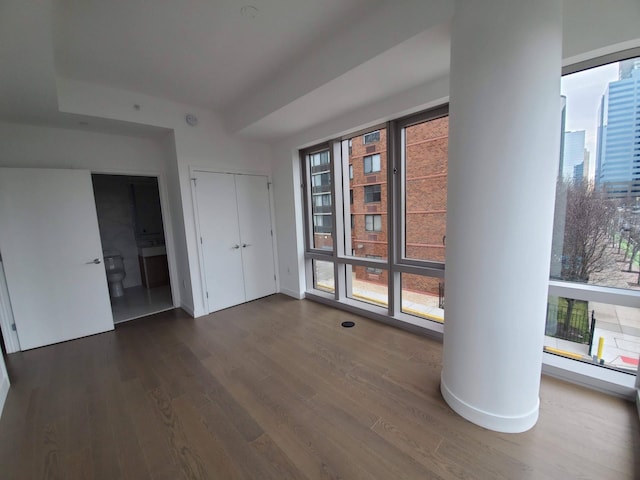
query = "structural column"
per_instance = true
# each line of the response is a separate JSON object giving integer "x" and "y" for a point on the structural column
{"x": 504, "y": 142}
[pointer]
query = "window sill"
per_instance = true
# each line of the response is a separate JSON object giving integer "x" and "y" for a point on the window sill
{"x": 605, "y": 380}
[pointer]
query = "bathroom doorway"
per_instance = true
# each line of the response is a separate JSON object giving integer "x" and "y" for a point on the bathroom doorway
{"x": 133, "y": 243}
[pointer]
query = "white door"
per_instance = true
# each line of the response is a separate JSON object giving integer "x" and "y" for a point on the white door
{"x": 49, "y": 239}
{"x": 254, "y": 213}
{"x": 220, "y": 238}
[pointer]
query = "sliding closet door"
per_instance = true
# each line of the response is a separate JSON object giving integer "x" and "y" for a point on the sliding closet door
{"x": 252, "y": 193}
{"x": 220, "y": 237}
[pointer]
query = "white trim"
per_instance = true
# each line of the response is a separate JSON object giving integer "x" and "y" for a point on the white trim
{"x": 11, "y": 340}
{"x": 595, "y": 377}
{"x": 380, "y": 314}
{"x": 491, "y": 421}
{"x": 4, "y": 391}
{"x": 595, "y": 293}
{"x": 230, "y": 171}
{"x": 196, "y": 221}
{"x": 292, "y": 293}
{"x": 188, "y": 309}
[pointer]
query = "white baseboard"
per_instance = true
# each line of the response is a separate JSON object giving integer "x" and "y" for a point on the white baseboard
{"x": 4, "y": 390}
{"x": 292, "y": 293}
{"x": 187, "y": 308}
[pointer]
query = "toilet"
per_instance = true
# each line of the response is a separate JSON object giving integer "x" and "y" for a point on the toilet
{"x": 115, "y": 273}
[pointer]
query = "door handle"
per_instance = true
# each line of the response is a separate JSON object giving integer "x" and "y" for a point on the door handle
{"x": 236, "y": 247}
{"x": 95, "y": 260}
{"x": 245, "y": 245}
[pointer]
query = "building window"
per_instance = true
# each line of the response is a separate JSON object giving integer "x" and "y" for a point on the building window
{"x": 321, "y": 158}
{"x": 372, "y": 163}
{"x": 322, "y": 200}
{"x": 322, "y": 223}
{"x": 353, "y": 222}
{"x": 372, "y": 193}
{"x": 373, "y": 223}
{"x": 321, "y": 179}
{"x": 374, "y": 270}
{"x": 371, "y": 137}
{"x": 350, "y": 172}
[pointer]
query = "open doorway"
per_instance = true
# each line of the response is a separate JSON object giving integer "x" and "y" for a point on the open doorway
{"x": 133, "y": 243}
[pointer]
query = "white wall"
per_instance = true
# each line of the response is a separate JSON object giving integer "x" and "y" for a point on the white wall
{"x": 207, "y": 145}
{"x": 45, "y": 147}
{"x": 37, "y": 146}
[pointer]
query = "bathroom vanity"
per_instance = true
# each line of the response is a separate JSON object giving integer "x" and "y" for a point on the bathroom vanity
{"x": 154, "y": 269}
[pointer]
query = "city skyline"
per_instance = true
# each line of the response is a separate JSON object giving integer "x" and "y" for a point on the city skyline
{"x": 584, "y": 91}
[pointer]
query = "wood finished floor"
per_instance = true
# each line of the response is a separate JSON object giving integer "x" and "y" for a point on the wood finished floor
{"x": 276, "y": 389}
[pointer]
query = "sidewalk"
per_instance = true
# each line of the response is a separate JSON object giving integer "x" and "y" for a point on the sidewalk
{"x": 618, "y": 326}
{"x": 620, "y": 329}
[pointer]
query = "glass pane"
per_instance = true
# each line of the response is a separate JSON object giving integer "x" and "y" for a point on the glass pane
{"x": 423, "y": 296}
{"x": 425, "y": 177}
{"x": 368, "y": 284}
{"x": 323, "y": 278}
{"x": 321, "y": 199}
{"x": 594, "y": 332}
{"x": 367, "y": 208}
{"x": 596, "y": 237}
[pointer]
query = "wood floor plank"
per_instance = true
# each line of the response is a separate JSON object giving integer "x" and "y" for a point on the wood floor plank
{"x": 276, "y": 389}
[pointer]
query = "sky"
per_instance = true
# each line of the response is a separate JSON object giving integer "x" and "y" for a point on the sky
{"x": 584, "y": 91}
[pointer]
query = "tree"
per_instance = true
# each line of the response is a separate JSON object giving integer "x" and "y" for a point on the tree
{"x": 587, "y": 226}
{"x": 588, "y": 217}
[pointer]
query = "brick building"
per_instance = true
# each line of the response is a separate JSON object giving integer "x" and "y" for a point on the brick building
{"x": 425, "y": 200}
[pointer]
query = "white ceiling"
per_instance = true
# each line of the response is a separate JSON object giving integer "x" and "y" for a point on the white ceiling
{"x": 394, "y": 71}
{"x": 267, "y": 77}
{"x": 194, "y": 51}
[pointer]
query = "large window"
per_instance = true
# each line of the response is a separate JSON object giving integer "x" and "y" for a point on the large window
{"x": 593, "y": 312}
{"x": 424, "y": 180}
{"x": 374, "y": 214}
{"x": 384, "y": 247}
{"x": 317, "y": 165}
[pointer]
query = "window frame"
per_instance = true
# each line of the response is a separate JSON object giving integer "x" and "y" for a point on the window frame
{"x": 373, "y": 193}
{"x": 307, "y": 191}
{"x": 399, "y": 165}
{"x": 615, "y": 381}
{"x": 373, "y": 133}
{"x": 611, "y": 381}
{"x": 373, "y": 223}
{"x": 370, "y": 158}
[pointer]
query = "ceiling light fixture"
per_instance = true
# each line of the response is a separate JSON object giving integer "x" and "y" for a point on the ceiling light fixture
{"x": 249, "y": 11}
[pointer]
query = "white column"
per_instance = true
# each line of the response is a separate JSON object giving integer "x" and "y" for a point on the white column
{"x": 503, "y": 161}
